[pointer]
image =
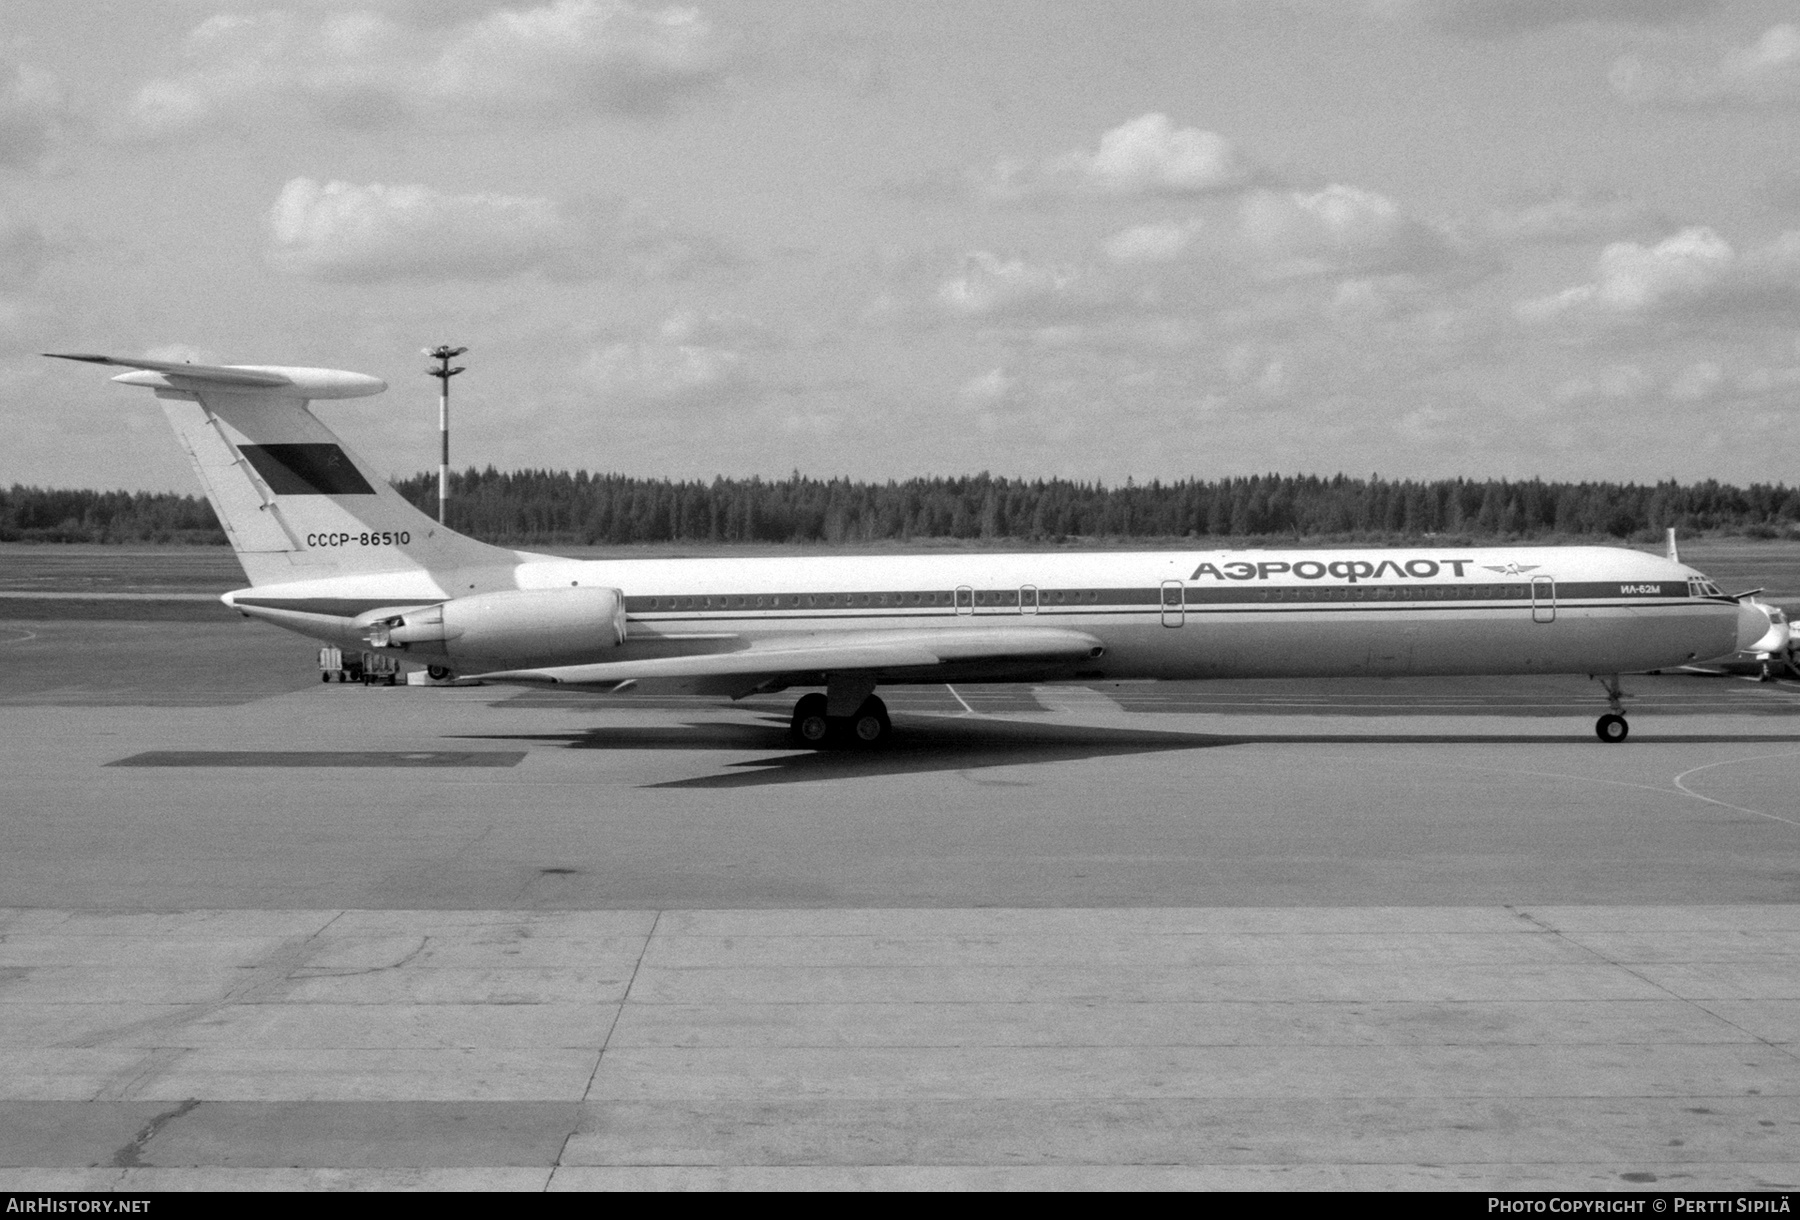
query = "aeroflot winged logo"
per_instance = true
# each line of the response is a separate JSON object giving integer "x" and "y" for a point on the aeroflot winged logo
{"x": 1351, "y": 570}
{"x": 1513, "y": 569}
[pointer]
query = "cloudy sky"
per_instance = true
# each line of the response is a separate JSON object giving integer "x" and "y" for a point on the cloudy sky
{"x": 878, "y": 239}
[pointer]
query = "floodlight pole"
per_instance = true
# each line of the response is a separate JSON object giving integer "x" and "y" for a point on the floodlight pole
{"x": 443, "y": 354}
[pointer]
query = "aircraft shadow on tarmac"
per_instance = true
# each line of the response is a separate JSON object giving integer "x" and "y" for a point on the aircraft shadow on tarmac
{"x": 927, "y": 744}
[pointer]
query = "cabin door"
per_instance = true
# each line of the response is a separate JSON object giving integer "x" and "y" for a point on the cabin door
{"x": 1174, "y": 603}
{"x": 1543, "y": 599}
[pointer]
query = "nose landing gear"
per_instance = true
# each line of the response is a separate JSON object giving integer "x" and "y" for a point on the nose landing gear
{"x": 1611, "y": 727}
{"x": 812, "y": 727}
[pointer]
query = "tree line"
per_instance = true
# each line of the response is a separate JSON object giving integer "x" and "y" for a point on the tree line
{"x": 548, "y": 508}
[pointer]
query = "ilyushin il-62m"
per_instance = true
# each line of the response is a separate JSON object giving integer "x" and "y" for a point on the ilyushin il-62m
{"x": 331, "y": 551}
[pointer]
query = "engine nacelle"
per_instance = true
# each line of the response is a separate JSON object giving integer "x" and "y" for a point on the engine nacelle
{"x": 517, "y": 627}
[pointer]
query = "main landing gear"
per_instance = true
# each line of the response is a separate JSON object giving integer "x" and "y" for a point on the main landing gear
{"x": 811, "y": 726}
{"x": 1612, "y": 727}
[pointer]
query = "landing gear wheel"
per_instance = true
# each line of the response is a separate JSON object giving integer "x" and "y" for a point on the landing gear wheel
{"x": 437, "y": 673}
{"x": 871, "y": 726}
{"x": 810, "y": 726}
{"x": 1611, "y": 728}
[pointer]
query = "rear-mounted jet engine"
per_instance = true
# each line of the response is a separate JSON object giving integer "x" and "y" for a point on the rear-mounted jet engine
{"x": 518, "y": 627}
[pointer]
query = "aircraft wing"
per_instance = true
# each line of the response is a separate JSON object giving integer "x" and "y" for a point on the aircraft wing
{"x": 923, "y": 649}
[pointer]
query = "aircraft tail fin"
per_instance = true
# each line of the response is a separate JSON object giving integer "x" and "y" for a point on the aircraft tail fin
{"x": 295, "y": 503}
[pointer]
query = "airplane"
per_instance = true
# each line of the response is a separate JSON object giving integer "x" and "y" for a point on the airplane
{"x": 333, "y": 552}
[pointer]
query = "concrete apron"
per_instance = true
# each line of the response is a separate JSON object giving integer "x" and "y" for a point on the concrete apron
{"x": 1481, "y": 1048}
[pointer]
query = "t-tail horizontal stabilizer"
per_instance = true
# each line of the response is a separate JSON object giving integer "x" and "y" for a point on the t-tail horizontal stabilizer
{"x": 236, "y": 378}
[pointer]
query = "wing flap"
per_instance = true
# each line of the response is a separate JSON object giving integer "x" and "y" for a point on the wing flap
{"x": 837, "y": 652}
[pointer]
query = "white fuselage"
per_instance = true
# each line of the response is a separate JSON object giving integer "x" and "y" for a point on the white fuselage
{"x": 1160, "y": 614}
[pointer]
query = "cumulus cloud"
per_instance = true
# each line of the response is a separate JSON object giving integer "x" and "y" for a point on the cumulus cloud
{"x": 34, "y": 114}
{"x": 1689, "y": 381}
{"x": 1339, "y": 230}
{"x": 369, "y": 69}
{"x": 988, "y": 286}
{"x": 689, "y": 358}
{"x": 1148, "y": 155}
{"x": 1694, "y": 271}
{"x": 1273, "y": 260}
{"x": 1572, "y": 217}
{"x": 717, "y": 327}
{"x": 1161, "y": 242}
{"x": 343, "y": 231}
{"x": 1503, "y": 18}
{"x": 1252, "y": 367}
{"x": 1766, "y": 73}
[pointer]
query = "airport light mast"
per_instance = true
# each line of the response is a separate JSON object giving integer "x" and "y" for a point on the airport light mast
{"x": 443, "y": 354}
